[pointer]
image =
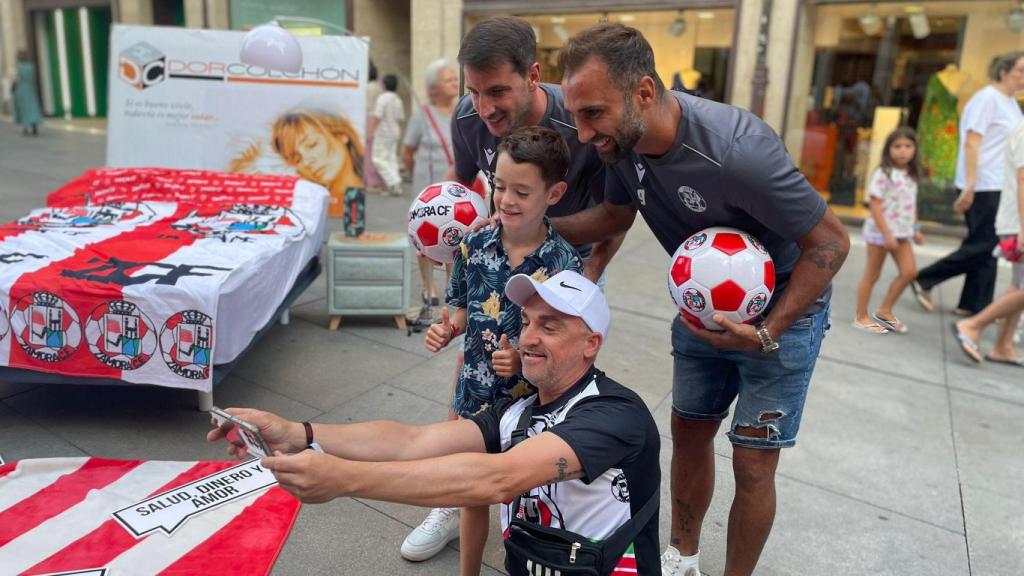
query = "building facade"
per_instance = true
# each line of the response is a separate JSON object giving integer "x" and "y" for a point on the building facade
{"x": 833, "y": 77}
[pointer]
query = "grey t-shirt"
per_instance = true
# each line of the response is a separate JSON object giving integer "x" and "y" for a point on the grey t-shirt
{"x": 726, "y": 168}
{"x": 475, "y": 149}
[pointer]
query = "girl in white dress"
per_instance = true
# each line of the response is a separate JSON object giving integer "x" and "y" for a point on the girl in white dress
{"x": 892, "y": 198}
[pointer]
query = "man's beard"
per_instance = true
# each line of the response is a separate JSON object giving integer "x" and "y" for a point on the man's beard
{"x": 626, "y": 136}
{"x": 517, "y": 116}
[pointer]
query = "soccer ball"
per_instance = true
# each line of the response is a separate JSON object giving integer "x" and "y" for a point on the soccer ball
{"x": 721, "y": 270}
{"x": 441, "y": 216}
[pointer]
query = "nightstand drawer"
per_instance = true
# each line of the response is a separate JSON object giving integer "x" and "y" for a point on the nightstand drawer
{"x": 369, "y": 267}
{"x": 381, "y": 299}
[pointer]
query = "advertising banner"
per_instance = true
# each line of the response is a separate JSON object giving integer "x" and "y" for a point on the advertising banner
{"x": 181, "y": 98}
{"x": 64, "y": 516}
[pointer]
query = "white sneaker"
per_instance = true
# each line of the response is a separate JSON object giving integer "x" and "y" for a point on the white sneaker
{"x": 675, "y": 564}
{"x": 440, "y": 527}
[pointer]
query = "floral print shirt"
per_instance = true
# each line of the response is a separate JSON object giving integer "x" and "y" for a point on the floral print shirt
{"x": 479, "y": 274}
{"x": 898, "y": 192}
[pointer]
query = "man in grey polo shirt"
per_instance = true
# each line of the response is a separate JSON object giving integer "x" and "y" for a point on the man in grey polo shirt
{"x": 505, "y": 92}
{"x": 686, "y": 164}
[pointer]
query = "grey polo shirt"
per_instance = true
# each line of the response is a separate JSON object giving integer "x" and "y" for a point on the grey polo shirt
{"x": 725, "y": 168}
{"x": 475, "y": 149}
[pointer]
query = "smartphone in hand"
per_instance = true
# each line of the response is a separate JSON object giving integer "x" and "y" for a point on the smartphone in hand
{"x": 249, "y": 433}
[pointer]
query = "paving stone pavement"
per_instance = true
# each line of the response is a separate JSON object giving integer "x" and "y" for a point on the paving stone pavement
{"x": 909, "y": 460}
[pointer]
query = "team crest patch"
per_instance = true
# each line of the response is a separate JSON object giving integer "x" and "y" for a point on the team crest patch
{"x": 451, "y": 236}
{"x": 757, "y": 304}
{"x": 692, "y": 199}
{"x": 186, "y": 343}
{"x": 92, "y": 216}
{"x": 119, "y": 335}
{"x": 756, "y": 244}
{"x": 619, "y": 488}
{"x": 46, "y": 327}
{"x": 696, "y": 241}
{"x": 694, "y": 300}
{"x": 242, "y": 221}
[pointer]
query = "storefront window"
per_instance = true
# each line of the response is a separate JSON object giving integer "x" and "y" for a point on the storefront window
{"x": 692, "y": 48}
{"x": 876, "y": 66}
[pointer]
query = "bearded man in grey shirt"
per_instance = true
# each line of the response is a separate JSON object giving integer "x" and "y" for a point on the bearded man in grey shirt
{"x": 687, "y": 164}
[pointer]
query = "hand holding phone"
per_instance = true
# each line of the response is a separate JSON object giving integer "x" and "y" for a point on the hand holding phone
{"x": 248, "y": 433}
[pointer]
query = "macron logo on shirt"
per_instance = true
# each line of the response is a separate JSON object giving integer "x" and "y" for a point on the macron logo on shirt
{"x": 640, "y": 171}
{"x": 490, "y": 156}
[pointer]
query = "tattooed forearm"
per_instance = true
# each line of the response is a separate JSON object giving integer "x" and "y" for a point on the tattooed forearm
{"x": 827, "y": 256}
{"x": 564, "y": 473}
{"x": 561, "y": 466}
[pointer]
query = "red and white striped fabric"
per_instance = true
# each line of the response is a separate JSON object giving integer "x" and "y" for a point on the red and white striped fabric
{"x": 55, "y": 517}
{"x": 152, "y": 275}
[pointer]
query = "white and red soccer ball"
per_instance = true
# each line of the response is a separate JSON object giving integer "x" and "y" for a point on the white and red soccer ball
{"x": 441, "y": 216}
{"x": 721, "y": 270}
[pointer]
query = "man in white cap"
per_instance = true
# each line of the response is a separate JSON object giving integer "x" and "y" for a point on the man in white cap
{"x": 588, "y": 463}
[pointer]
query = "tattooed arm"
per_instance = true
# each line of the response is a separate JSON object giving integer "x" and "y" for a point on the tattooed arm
{"x": 822, "y": 252}
{"x": 454, "y": 480}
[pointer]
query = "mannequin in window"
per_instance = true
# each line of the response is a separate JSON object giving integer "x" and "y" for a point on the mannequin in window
{"x": 952, "y": 78}
{"x": 937, "y": 124}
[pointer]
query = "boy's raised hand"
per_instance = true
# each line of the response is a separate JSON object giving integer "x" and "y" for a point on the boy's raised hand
{"x": 440, "y": 334}
{"x": 506, "y": 360}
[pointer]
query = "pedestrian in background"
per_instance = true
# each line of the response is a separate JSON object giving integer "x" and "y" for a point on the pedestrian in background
{"x": 892, "y": 197}
{"x": 989, "y": 117}
{"x": 371, "y": 178}
{"x": 27, "y": 112}
{"x": 1008, "y": 307}
{"x": 384, "y": 129}
{"x": 427, "y": 150}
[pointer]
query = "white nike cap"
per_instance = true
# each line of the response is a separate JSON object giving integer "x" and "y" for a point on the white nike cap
{"x": 568, "y": 292}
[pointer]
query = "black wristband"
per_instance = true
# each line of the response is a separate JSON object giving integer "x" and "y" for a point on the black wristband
{"x": 309, "y": 432}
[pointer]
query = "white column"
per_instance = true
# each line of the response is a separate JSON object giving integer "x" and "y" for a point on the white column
{"x": 436, "y": 34}
{"x": 745, "y": 56}
{"x": 62, "y": 61}
{"x": 780, "y": 51}
{"x": 90, "y": 85}
{"x": 12, "y": 30}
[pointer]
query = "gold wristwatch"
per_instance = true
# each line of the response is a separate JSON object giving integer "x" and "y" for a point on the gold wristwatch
{"x": 767, "y": 343}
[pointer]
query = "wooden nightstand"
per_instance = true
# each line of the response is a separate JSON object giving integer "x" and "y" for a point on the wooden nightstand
{"x": 368, "y": 276}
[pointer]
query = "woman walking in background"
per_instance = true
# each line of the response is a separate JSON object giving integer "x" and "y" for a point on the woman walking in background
{"x": 426, "y": 153}
{"x": 985, "y": 125}
{"x": 383, "y": 131}
{"x": 371, "y": 179}
{"x": 1009, "y": 306}
{"x": 27, "y": 113}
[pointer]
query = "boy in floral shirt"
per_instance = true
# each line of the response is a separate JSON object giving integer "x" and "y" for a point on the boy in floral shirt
{"x": 528, "y": 177}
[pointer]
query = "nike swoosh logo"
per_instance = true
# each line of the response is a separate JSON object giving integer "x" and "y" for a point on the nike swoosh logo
{"x": 564, "y": 285}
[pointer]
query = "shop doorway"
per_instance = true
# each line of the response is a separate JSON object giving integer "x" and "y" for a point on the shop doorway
{"x": 869, "y": 72}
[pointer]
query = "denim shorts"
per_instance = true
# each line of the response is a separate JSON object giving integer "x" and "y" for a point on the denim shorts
{"x": 771, "y": 388}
